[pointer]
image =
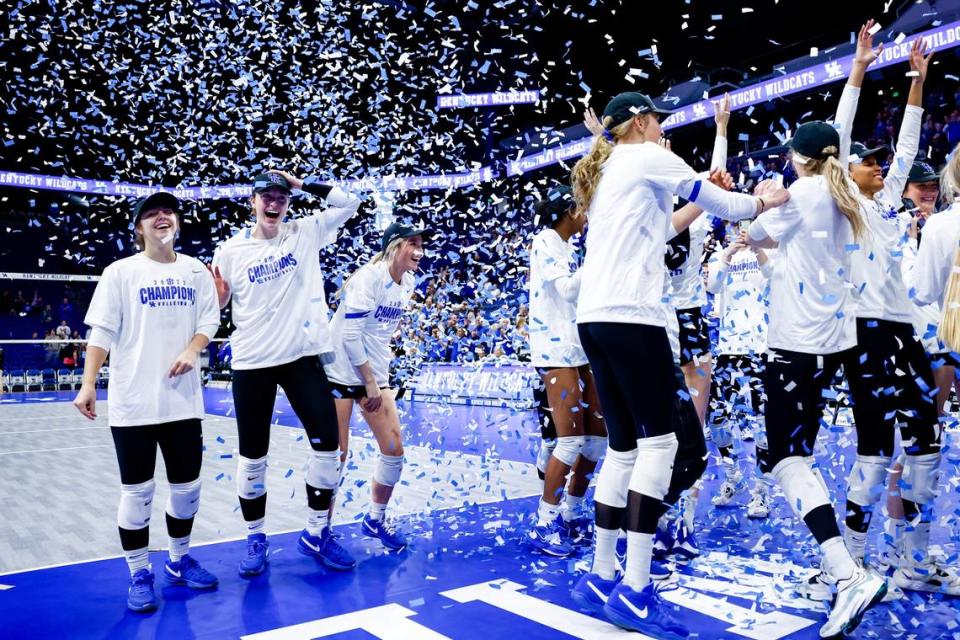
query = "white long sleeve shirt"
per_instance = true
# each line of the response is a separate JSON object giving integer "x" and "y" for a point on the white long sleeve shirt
{"x": 934, "y": 264}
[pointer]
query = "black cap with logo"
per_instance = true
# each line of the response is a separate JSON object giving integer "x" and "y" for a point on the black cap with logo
{"x": 397, "y": 230}
{"x": 270, "y": 180}
{"x": 154, "y": 200}
{"x": 629, "y": 104}
{"x": 861, "y": 151}
{"x": 812, "y": 138}
{"x": 922, "y": 172}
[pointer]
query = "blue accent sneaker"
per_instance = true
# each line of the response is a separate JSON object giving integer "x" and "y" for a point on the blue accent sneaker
{"x": 662, "y": 543}
{"x": 326, "y": 549}
{"x": 591, "y": 591}
{"x": 550, "y": 539}
{"x": 684, "y": 544}
{"x": 659, "y": 572}
{"x": 189, "y": 572}
{"x": 643, "y": 611}
{"x": 385, "y": 533}
{"x": 257, "y": 558}
{"x": 579, "y": 530}
{"x": 140, "y": 595}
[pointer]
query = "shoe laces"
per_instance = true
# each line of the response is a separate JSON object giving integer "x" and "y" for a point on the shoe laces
{"x": 144, "y": 578}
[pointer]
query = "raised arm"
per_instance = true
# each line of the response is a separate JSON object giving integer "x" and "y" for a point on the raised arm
{"x": 908, "y": 142}
{"x": 847, "y": 108}
{"x": 722, "y": 117}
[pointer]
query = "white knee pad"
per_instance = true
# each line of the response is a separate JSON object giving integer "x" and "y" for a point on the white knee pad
{"x": 323, "y": 469}
{"x": 654, "y": 465}
{"x": 614, "y": 478}
{"x": 251, "y": 477}
{"x": 865, "y": 484}
{"x": 567, "y": 449}
{"x": 543, "y": 455}
{"x": 388, "y": 470}
{"x": 921, "y": 475}
{"x": 184, "y": 500}
{"x": 136, "y": 504}
{"x": 801, "y": 488}
{"x": 593, "y": 447}
{"x": 721, "y": 434}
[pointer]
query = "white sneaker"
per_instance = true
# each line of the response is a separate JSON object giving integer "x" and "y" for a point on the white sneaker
{"x": 758, "y": 508}
{"x": 928, "y": 576}
{"x": 818, "y": 587}
{"x": 855, "y": 595}
{"x": 728, "y": 490}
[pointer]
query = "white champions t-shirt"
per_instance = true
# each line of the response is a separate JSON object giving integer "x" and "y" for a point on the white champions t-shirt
{"x": 687, "y": 290}
{"x": 740, "y": 291}
{"x": 811, "y": 306}
{"x": 877, "y": 272}
{"x": 373, "y": 300}
{"x": 279, "y": 306}
{"x": 926, "y": 319}
{"x": 553, "y": 289}
{"x": 153, "y": 309}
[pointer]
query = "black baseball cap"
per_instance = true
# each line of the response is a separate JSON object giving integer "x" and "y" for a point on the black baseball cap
{"x": 397, "y": 230}
{"x": 922, "y": 172}
{"x": 158, "y": 199}
{"x": 270, "y": 180}
{"x": 812, "y": 138}
{"x": 551, "y": 209}
{"x": 861, "y": 151}
{"x": 629, "y": 104}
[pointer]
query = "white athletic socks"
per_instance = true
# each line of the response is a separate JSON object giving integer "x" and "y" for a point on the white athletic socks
{"x": 688, "y": 505}
{"x": 547, "y": 513}
{"x": 137, "y": 559}
{"x": 571, "y": 507}
{"x": 377, "y": 511}
{"x": 317, "y": 521}
{"x": 639, "y": 553}
{"x": 836, "y": 559}
{"x": 891, "y": 541}
{"x": 255, "y": 526}
{"x": 855, "y": 541}
{"x": 605, "y": 553}
{"x": 179, "y": 547}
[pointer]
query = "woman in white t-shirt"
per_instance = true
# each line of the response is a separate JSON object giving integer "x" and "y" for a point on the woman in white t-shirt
{"x": 153, "y": 312}
{"x": 372, "y": 301}
{"x": 811, "y": 334}
{"x": 626, "y": 185}
{"x": 270, "y": 270}
{"x": 555, "y": 352}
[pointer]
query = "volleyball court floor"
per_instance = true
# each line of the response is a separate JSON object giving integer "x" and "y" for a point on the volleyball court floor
{"x": 468, "y": 489}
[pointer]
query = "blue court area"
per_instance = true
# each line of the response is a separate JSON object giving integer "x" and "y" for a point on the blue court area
{"x": 468, "y": 572}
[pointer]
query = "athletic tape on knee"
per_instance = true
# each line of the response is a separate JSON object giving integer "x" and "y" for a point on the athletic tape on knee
{"x": 921, "y": 475}
{"x": 866, "y": 483}
{"x": 801, "y": 488}
{"x": 567, "y": 449}
{"x": 184, "y": 501}
{"x": 721, "y": 434}
{"x": 543, "y": 455}
{"x": 323, "y": 469}
{"x": 614, "y": 478}
{"x": 654, "y": 465}
{"x": 251, "y": 477}
{"x": 136, "y": 504}
{"x": 388, "y": 470}
{"x": 593, "y": 447}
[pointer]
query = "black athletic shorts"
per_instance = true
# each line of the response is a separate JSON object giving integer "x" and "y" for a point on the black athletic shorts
{"x": 349, "y": 392}
{"x": 694, "y": 339}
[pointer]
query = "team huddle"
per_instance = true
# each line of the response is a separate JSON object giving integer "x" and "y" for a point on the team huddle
{"x": 846, "y": 273}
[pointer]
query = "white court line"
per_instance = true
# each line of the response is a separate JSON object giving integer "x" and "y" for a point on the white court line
{"x": 10, "y": 433}
{"x": 89, "y": 446}
{"x": 237, "y": 538}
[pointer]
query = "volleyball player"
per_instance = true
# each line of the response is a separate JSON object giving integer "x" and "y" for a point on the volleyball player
{"x": 626, "y": 185}
{"x": 270, "y": 271}
{"x": 556, "y": 353}
{"x": 739, "y": 277}
{"x": 153, "y": 312}
{"x": 372, "y": 301}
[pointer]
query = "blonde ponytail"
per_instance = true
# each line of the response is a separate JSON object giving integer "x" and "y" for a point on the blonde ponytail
{"x": 387, "y": 255}
{"x": 949, "y": 330}
{"x": 586, "y": 173}
{"x": 831, "y": 169}
{"x": 950, "y": 178}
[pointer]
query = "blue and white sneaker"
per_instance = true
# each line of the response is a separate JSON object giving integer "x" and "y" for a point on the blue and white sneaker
{"x": 684, "y": 544}
{"x": 662, "y": 543}
{"x": 660, "y": 573}
{"x": 579, "y": 530}
{"x": 257, "y": 557}
{"x": 327, "y": 549}
{"x": 591, "y": 591}
{"x": 643, "y": 611}
{"x": 550, "y": 539}
{"x": 189, "y": 572}
{"x": 385, "y": 533}
{"x": 140, "y": 595}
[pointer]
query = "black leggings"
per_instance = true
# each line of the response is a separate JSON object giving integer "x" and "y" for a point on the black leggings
{"x": 548, "y": 430}
{"x": 181, "y": 444}
{"x": 891, "y": 378}
{"x": 633, "y": 368}
{"x": 308, "y": 391}
{"x": 795, "y": 384}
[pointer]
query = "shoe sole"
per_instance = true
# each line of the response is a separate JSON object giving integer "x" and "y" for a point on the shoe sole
{"x": 585, "y": 602}
{"x": 854, "y": 622}
{"x": 249, "y": 573}
{"x": 326, "y": 561}
{"x": 144, "y": 609}
{"x": 624, "y": 622}
{"x": 182, "y": 582}
{"x": 371, "y": 534}
{"x": 920, "y": 586}
{"x": 548, "y": 550}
